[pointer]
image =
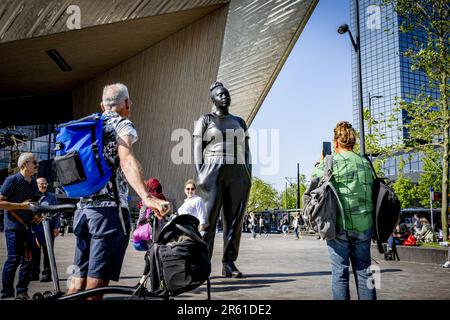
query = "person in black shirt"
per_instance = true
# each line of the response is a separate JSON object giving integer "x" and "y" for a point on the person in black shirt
{"x": 15, "y": 195}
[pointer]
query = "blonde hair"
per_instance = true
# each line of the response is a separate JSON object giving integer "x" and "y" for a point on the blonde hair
{"x": 423, "y": 220}
{"x": 190, "y": 181}
{"x": 345, "y": 134}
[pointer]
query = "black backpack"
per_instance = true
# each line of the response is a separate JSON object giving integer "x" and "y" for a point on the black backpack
{"x": 386, "y": 209}
{"x": 321, "y": 204}
{"x": 178, "y": 259}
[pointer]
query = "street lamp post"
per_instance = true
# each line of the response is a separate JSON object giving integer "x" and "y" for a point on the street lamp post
{"x": 357, "y": 47}
{"x": 298, "y": 186}
{"x": 370, "y": 112}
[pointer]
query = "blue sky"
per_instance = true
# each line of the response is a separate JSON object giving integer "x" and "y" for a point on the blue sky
{"x": 311, "y": 94}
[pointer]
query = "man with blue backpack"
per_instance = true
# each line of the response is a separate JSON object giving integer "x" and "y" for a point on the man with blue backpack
{"x": 95, "y": 161}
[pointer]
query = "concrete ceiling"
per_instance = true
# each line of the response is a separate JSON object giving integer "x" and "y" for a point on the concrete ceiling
{"x": 26, "y": 69}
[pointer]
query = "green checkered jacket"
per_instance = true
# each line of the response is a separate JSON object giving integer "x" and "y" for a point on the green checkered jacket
{"x": 353, "y": 179}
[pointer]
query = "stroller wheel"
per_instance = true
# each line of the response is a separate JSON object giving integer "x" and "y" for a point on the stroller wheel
{"x": 48, "y": 295}
{"x": 38, "y": 296}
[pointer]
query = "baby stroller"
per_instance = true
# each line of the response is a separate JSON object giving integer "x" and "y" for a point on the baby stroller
{"x": 178, "y": 262}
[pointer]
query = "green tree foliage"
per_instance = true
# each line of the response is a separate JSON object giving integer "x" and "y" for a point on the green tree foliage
{"x": 431, "y": 177}
{"x": 263, "y": 196}
{"x": 406, "y": 190}
{"x": 429, "y": 117}
{"x": 289, "y": 196}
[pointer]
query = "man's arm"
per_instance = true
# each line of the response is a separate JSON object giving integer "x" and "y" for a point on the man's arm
{"x": 6, "y": 205}
{"x": 133, "y": 172}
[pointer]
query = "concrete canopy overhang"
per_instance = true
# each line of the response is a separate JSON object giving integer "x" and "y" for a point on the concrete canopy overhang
{"x": 26, "y": 69}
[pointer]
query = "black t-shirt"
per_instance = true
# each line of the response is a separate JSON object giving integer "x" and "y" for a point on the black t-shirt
{"x": 17, "y": 189}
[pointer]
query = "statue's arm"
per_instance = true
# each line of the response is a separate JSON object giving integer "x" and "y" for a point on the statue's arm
{"x": 199, "y": 130}
{"x": 198, "y": 153}
{"x": 248, "y": 158}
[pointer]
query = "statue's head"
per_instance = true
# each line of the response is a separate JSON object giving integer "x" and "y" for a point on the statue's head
{"x": 220, "y": 96}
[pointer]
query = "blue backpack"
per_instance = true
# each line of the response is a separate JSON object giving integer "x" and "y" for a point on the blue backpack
{"x": 81, "y": 168}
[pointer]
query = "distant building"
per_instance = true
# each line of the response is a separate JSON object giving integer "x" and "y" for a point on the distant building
{"x": 386, "y": 73}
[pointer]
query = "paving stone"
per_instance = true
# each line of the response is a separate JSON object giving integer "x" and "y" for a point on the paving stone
{"x": 273, "y": 268}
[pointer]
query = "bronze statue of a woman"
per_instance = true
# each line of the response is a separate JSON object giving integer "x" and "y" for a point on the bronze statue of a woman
{"x": 222, "y": 162}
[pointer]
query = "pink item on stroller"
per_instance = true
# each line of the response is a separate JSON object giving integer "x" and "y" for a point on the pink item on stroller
{"x": 143, "y": 232}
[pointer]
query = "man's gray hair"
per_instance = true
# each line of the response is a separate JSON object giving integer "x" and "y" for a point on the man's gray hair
{"x": 114, "y": 95}
{"x": 23, "y": 158}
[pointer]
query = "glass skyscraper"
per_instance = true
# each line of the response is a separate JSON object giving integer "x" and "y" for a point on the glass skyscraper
{"x": 386, "y": 75}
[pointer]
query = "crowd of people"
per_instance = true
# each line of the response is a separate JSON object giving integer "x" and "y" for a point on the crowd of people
{"x": 102, "y": 225}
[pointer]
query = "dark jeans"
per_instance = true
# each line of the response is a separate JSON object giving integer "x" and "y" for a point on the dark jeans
{"x": 36, "y": 263}
{"x": 296, "y": 232}
{"x": 391, "y": 240}
{"x": 355, "y": 248}
{"x": 15, "y": 245}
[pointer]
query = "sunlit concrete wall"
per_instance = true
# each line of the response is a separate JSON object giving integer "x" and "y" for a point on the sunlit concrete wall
{"x": 169, "y": 87}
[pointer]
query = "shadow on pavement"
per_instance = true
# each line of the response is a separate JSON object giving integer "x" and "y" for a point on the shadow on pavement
{"x": 283, "y": 275}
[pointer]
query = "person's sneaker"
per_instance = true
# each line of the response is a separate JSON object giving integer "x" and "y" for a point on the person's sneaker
{"x": 22, "y": 296}
{"x": 7, "y": 295}
{"x": 46, "y": 279}
{"x": 446, "y": 265}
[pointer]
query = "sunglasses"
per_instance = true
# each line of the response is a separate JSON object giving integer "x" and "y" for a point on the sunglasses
{"x": 189, "y": 189}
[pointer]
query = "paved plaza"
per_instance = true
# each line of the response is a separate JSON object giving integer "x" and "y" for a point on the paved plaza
{"x": 275, "y": 268}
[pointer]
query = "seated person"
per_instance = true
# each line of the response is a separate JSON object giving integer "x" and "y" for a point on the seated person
{"x": 398, "y": 236}
{"x": 425, "y": 234}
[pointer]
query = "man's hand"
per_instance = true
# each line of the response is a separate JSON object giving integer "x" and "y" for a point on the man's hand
{"x": 37, "y": 219}
{"x": 25, "y": 205}
{"x": 161, "y": 207}
{"x": 55, "y": 232}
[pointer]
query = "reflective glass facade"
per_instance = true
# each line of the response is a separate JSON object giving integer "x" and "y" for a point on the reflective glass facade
{"x": 38, "y": 139}
{"x": 385, "y": 72}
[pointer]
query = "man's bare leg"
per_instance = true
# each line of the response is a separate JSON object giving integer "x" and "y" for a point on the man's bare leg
{"x": 77, "y": 285}
{"x": 93, "y": 283}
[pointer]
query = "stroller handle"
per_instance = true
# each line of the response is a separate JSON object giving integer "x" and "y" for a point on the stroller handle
{"x": 38, "y": 208}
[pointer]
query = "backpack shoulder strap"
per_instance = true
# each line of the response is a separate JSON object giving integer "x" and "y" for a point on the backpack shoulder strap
{"x": 328, "y": 174}
{"x": 328, "y": 170}
{"x": 371, "y": 165}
